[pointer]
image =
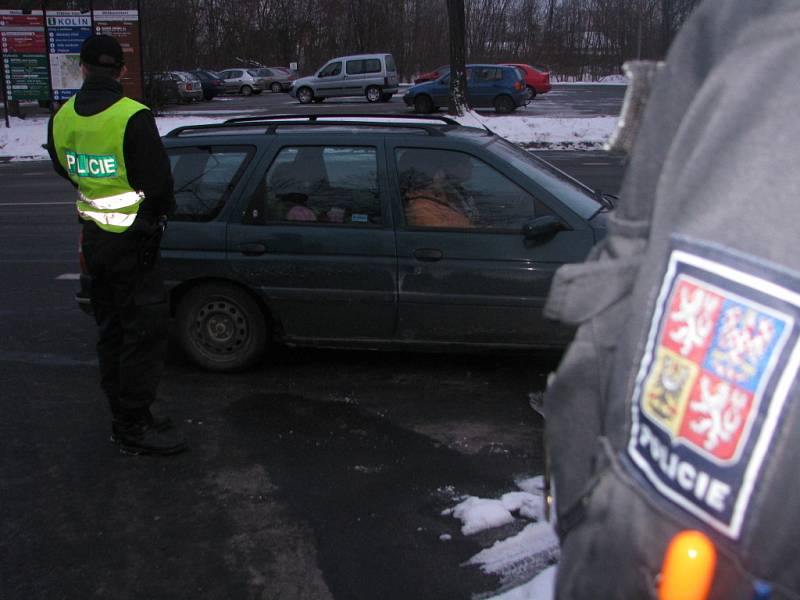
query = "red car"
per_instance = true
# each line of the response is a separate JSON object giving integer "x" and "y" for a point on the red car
{"x": 433, "y": 75}
{"x": 536, "y": 78}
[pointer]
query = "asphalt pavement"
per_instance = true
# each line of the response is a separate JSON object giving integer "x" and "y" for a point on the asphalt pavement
{"x": 563, "y": 101}
{"x": 316, "y": 475}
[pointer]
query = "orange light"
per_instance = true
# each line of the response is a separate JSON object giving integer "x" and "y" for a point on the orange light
{"x": 688, "y": 568}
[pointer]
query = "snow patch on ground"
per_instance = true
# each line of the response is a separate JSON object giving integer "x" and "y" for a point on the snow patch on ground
{"x": 24, "y": 139}
{"x": 553, "y": 133}
{"x": 523, "y": 561}
{"x": 540, "y": 587}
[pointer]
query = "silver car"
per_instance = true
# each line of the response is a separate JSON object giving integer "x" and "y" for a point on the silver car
{"x": 243, "y": 81}
{"x": 373, "y": 76}
{"x": 275, "y": 80}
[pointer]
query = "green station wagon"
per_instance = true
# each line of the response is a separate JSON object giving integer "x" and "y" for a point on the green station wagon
{"x": 365, "y": 231}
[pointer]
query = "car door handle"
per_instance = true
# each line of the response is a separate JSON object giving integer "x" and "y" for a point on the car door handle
{"x": 252, "y": 249}
{"x": 428, "y": 254}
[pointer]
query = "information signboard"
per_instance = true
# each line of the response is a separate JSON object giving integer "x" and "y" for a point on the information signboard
{"x": 66, "y": 30}
{"x": 22, "y": 42}
{"x": 124, "y": 25}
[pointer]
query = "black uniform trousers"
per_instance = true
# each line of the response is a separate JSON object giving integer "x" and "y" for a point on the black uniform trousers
{"x": 129, "y": 302}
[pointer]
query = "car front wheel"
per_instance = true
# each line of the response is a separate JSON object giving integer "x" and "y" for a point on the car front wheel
{"x": 305, "y": 95}
{"x": 373, "y": 93}
{"x": 246, "y": 90}
{"x": 275, "y": 87}
{"x": 531, "y": 93}
{"x": 423, "y": 104}
{"x": 221, "y": 328}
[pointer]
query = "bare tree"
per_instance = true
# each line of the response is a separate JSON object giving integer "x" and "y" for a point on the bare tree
{"x": 458, "y": 103}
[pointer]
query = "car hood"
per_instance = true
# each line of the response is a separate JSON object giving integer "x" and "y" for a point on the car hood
{"x": 301, "y": 80}
{"x": 421, "y": 87}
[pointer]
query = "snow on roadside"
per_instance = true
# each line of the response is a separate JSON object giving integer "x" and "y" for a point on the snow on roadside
{"x": 23, "y": 141}
{"x": 552, "y": 132}
{"x": 522, "y": 561}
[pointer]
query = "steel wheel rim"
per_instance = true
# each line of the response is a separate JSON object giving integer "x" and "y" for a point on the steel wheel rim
{"x": 220, "y": 327}
{"x": 373, "y": 94}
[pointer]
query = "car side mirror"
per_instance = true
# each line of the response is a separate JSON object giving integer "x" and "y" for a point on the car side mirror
{"x": 542, "y": 227}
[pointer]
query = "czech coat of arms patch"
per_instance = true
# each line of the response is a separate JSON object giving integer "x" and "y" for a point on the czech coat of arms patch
{"x": 721, "y": 357}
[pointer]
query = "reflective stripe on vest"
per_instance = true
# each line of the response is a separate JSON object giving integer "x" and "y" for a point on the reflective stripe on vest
{"x": 109, "y": 219}
{"x": 114, "y": 202}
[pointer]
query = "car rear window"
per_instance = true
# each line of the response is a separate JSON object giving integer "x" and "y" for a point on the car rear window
{"x": 390, "y": 66}
{"x": 203, "y": 178}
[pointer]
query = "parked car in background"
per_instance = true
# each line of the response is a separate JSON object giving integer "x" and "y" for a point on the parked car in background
{"x": 211, "y": 81}
{"x": 162, "y": 87}
{"x": 275, "y": 80}
{"x": 242, "y": 81}
{"x": 292, "y": 73}
{"x": 373, "y": 76}
{"x": 433, "y": 75}
{"x": 488, "y": 86}
{"x": 537, "y": 79}
{"x": 370, "y": 232}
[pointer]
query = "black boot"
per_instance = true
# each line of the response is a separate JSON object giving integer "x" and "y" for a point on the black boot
{"x": 139, "y": 436}
{"x": 159, "y": 423}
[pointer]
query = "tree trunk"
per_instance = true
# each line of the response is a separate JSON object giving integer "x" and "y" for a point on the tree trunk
{"x": 458, "y": 104}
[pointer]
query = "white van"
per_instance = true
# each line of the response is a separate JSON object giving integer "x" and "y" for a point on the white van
{"x": 371, "y": 75}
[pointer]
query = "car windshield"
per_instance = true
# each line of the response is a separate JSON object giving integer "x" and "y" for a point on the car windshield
{"x": 575, "y": 195}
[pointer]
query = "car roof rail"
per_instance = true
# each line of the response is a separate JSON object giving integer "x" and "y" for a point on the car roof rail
{"x": 431, "y": 124}
{"x": 350, "y": 118}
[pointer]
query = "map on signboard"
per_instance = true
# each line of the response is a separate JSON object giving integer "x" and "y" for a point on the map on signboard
{"x": 65, "y": 70}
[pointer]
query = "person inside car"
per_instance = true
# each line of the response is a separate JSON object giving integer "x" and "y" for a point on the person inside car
{"x": 435, "y": 200}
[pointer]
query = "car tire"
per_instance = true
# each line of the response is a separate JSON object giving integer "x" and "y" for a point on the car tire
{"x": 221, "y": 328}
{"x": 208, "y": 96}
{"x": 531, "y": 93}
{"x": 305, "y": 95}
{"x": 386, "y": 97}
{"x": 423, "y": 104}
{"x": 373, "y": 94}
{"x": 245, "y": 90}
{"x": 504, "y": 104}
{"x": 276, "y": 88}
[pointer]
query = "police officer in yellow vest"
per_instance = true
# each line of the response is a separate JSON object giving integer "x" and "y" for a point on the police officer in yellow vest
{"x": 108, "y": 146}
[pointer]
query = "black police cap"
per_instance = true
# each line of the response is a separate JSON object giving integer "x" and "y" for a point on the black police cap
{"x": 102, "y": 50}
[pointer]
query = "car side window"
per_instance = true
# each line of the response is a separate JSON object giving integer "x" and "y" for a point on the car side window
{"x": 355, "y": 67}
{"x": 335, "y": 185}
{"x": 371, "y": 65}
{"x": 485, "y": 74}
{"x": 331, "y": 70}
{"x": 450, "y": 189}
{"x": 204, "y": 177}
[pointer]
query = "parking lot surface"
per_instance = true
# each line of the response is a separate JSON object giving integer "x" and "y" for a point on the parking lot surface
{"x": 318, "y": 474}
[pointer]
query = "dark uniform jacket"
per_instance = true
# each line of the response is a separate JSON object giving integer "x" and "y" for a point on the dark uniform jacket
{"x": 146, "y": 161}
{"x": 676, "y": 406}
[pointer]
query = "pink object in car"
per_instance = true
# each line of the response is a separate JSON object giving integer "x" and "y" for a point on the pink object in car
{"x": 300, "y": 213}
